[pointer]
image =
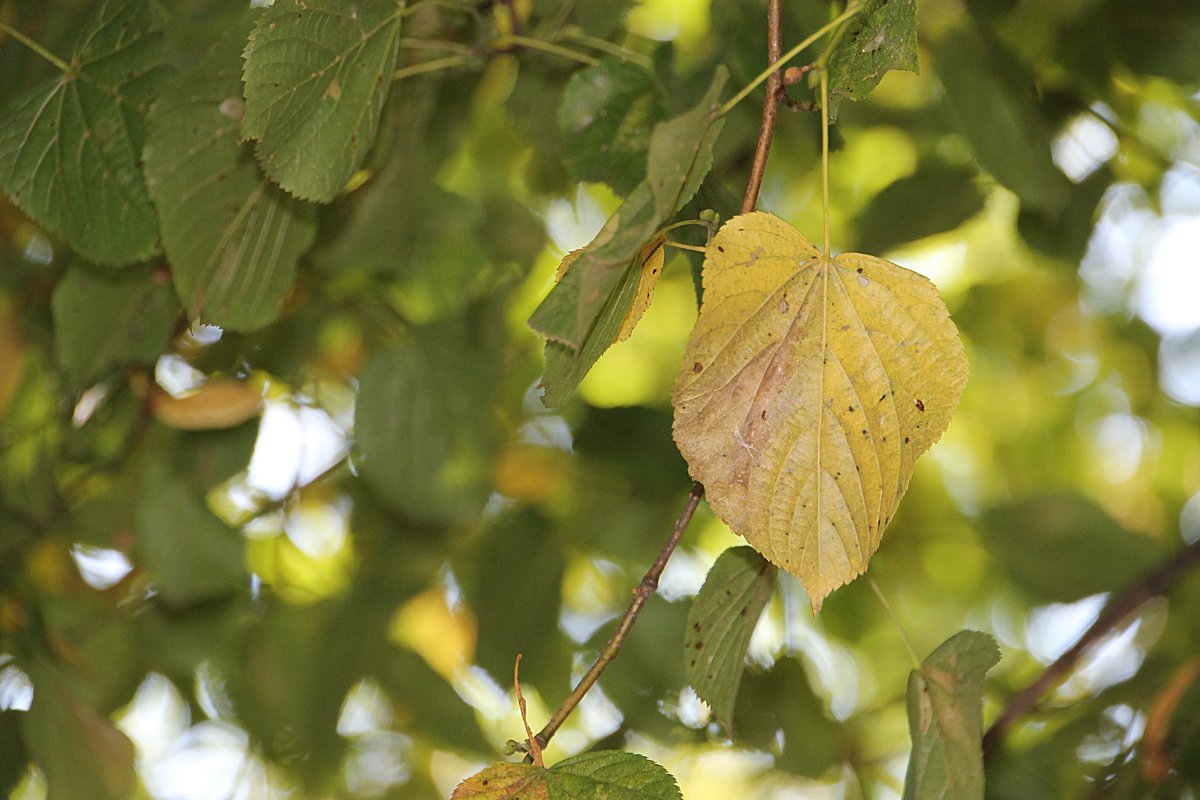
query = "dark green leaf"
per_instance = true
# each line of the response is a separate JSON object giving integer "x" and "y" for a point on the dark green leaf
{"x": 82, "y": 754}
{"x": 723, "y": 615}
{"x": 13, "y": 758}
{"x": 945, "y": 718}
{"x": 190, "y": 554}
{"x": 601, "y": 775}
{"x": 605, "y": 121}
{"x": 422, "y": 426}
{"x": 1061, "y": 548}
{"x": 935, "y": 199}
{"x": 317, "y": 73}
{"x": 104, "y": 320}
{"x": 880, "y": 38}
{"x": 426, "y": 704}
{"x": 70, "y": 149}
{"x": 991, "y": 98}
{"x": 233, "y": 238}
{"x": 583, "y": 312}
{"x": 779, "y": 713}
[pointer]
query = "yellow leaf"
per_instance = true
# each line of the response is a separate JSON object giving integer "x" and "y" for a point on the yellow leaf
{"x": 653, "y": 258}
{"x": 218, "y": 404}
{"x": 503, "y": 781}
{"x": 808, "y": 389}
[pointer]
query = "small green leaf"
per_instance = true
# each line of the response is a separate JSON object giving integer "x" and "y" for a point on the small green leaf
{"x": 82, "y": 754}
{"x": 720, "y": 623}
{"x": 937, "y": 198}
{"x": 582, "y": 314}
{"x": 605, "y": 121}
{"x": 70, "y": 149}
{"x": 317, "y": 73}
{"x": 779, "y": 713}
{"x": 1062, "y": 548}
{"x": 880, "y": 38}
{"x": 601, "y": 775}
{"x": 104, "y": 320}
{"x": 190, "y": 554}
{"x": 233, "y": 238}
{"x": 991, "y": 99}
{"x": 421, "y": 424}
{"x": 945, "y": 718}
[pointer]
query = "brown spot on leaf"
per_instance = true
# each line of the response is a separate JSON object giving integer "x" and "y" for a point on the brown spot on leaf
{"x": 920, "y": 405}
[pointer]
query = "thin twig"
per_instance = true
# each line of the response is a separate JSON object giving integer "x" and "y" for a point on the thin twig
{"x": 512, "y": 40}
{"x": 641, "y": 594}
{"x": 535, "y": 750}
{"x": 770, "y": 106}
{"x": 1122, "y": 606}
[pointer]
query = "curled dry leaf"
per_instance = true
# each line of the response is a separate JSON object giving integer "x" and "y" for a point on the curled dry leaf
{"x": 808, "y": 389}
{"x": 218, "y": 404}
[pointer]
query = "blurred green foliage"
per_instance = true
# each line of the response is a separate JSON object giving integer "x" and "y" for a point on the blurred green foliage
{"x": 326, "y": 601}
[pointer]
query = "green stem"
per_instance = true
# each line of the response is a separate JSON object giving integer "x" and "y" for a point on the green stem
{"x": 545, "y": 47}
{"x": 63, "y": 66}
{"x": 825, "y": 160}
{"x": 432, "y": 65}
{"x": 411, "y": 43}
{"x": 788, "y": 56}
{"x": 912, "y": 653}
{"x": 617, "y": 50}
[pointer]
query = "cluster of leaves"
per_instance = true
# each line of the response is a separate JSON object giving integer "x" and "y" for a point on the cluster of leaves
{"x": 356, "y": 215}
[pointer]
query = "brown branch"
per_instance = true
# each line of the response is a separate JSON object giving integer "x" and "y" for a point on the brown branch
{"x": 1122, "y": 606}
{"x": 770, "y": 106}
{"x": 641, "y": 594}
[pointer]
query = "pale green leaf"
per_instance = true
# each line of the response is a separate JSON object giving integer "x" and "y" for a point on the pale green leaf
{"x": 583, "y": 313}
{"x": 70, "y": 148}
{"x": 945, "y": 718}
{"x": 82, "y": 754}
{"x": 605, "y": 121}
{"x": 317, "y": 73}
{"x": 880, "y": 38}
{"x": 104, "y": 319}
{"x": 719, "y": 625}
{"x": 232, "y": 237}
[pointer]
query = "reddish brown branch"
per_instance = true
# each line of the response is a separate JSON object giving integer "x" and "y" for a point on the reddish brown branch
{"x": 770, "y": 106}
{"x": 1121, "y": 607}
{"x": 647, "y": 587}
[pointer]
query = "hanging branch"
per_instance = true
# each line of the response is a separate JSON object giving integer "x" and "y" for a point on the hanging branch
{"x": 1121, "y": 607}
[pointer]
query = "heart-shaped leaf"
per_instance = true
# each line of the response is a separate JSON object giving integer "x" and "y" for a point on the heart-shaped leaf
{"x": 809, "y": 387}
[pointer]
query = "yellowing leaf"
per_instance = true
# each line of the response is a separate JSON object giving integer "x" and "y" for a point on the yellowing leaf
{"x": 505, "y": 782}
{"x": 808, "y": 389}
{"x": 653, "y": 258}
{"x": 218, "y": 404}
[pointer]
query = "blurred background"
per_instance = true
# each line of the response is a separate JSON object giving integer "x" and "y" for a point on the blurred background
{"x": 322, "y": 593}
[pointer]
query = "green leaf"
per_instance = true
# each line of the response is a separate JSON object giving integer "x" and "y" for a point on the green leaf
{"x": 191, "y": 555}
{"x": 880, "y": 38}
{"x": 937, "y": 198}
{"x": 317, "y": 73}
{"x": 104, "y": 320}
{"x": 232, "y": 237}
{"x": 991, "y": 99}
{"x": 82, "y": 754}
{"x": 779, "y": 713}
{"x": 945, "y": 718}
{"x": 581, "y": 315}
{"x": 601, "y": 775}
{"x": 719, "y": 625}
{"x": 421, "y": 423}
{"x": 70, "y": 149}
{"x": 1061, "y": 548}
{"x": 605, "y": 122}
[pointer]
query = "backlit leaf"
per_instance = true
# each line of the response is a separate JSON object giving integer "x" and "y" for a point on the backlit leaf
{"x": 808, "y": 389}
{"x": 603, "y": 774}
{"x": 605, "y": 121}
{"x": 945, "y": 718}
{"x": 104, "y": 319}
{"x": 880, "y": 38}
{"x": 232, "y": 237}
{"x": 722, "y": 618}
{"x": 70, "y": 149}
{"x": 317, "y": 73}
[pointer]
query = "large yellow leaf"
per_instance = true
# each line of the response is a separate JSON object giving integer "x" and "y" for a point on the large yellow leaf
{"x": 808, "y": 389}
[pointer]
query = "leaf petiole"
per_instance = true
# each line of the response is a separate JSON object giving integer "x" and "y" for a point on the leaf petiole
{"x": 432, "y": 65}
{"x": 680, "y": 246}
{"x": 850, "y": 11}
{"x": 545, "y": 47}
{"x": 63, "y": 66}
{"x": 908, "y": 645}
